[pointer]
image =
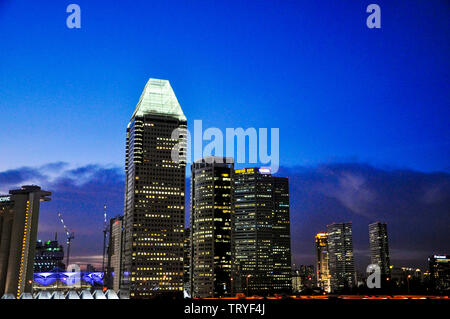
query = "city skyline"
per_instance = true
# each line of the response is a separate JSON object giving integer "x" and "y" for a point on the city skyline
{"x": 355, "y": 146}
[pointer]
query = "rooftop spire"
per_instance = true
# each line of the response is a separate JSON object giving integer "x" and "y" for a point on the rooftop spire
{"x": 158, "y": 98}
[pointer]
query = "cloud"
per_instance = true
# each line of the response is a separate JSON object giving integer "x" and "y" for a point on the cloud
{"x": 79, "y": 193}
{"x": 415, "y": 205}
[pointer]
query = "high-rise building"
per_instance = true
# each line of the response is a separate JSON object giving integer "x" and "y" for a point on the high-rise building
{"x": 323, "y": 271}
{"x": 379, "y": 249}
{"x": 303, "y": 277}
{"x": 187, "y": 261}
{"x": 211, "y": 207}
{"x": 341, "y": 261}
{"x": 19, "y": 215}
{"x": 113, "y": 271}
{"x": 49, "y": 256}
{"x": 152, "y": 258}
{"x": 281, "y": 240}
{"x": 261, "y": 233}
{"x": 439, "y": 267}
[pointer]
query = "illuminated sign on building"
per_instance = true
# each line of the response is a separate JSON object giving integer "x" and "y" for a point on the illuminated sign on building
{"x": 5, "y": 198}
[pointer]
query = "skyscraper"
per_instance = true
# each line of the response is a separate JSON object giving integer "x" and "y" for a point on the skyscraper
{"x": 113, "y": 272}
{"x": 187, "y": 261}
{"x": 19, "y": 215}
{"x": 261, "y": 233}
{"x": 211, "y": 207}
{"x": 323, "y": 272}
{"x": 379, "y": 249}
{"x": 341, "y": 261}
{"x": 281, "y": 228}
{"x": 152, "y": 259}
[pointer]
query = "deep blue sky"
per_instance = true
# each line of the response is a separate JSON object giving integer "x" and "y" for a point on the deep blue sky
{"x": 336, "y": 89}
{"x": 363, "y": 114}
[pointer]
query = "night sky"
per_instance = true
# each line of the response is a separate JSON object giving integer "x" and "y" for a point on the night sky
{"x": 364, "y": 114}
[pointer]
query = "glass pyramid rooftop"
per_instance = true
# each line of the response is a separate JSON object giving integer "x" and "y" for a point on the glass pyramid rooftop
{"x": 158, "y": 98}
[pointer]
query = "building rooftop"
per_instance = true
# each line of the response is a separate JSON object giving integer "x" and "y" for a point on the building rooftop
{"x": 158, "y": 98}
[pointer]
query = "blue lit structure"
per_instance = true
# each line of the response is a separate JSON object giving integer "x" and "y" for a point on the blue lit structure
{"x": 67, "y": 280}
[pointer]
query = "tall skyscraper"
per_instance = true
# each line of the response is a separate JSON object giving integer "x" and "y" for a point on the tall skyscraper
{"x": 379, "y": 249}
{"x": 341, "y": 261}
{"x": 281, "y": 228}
{"x": 187, "y": 261}
{"x": 48, "y": 256}
{"x": 113, "y": 272}
{"x": 261, "y": 233}
{"x": 323, "y": 272}
{"x": 152, "y": 258}
{"x": 19, "y": 215}
{"x": 211, "y": 207}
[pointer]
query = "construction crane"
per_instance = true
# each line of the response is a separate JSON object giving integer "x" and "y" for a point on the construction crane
{"x": 105, "y": 233}
{"x": 69, "y": 237}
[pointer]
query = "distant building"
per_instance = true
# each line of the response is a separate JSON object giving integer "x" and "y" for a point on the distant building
{"x": 19, "y": 215}
{"x": 90, "y": 268}
{"x": 303, "y": 277}
{"x": 211, "y": 207}
{"x": 261, "y": 233}
{"x": 49, "y": 256}
{"x": 379, "y": 248}
{"x": 439, "y": 267}
{"x": 341, "y": 260}
{"x": 113, "y": 272}
{"x": 155, "y": 162}
{"x": 322, "y": 258}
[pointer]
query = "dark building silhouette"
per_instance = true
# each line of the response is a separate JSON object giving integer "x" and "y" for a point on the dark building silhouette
{"x": 19, "y": 216}
{"x": 211, "y": 208}
{"x": 49, "y": 256}
{"x": 439, "y": 268}
{"x": 152, "y": 258}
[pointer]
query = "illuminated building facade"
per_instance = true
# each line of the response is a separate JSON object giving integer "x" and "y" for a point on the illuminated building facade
{"x": 113, "y": 272}
{"x": 49, "y": 256}
{"x": 439, "y": 268}
{"x": 323, "y": 271}
{"x": 211, "y": 207}
{"x": 379, "y": 248}
{"x": 261, "y": 233}
{"x": 152, "y": 257}
{"x": 187, "y": 260}
{"x": 341, "y": 261}
{"x": 19, "y": 215}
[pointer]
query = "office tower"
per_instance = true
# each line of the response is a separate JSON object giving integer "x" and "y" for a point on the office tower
{"x": 211, "y": 207}
{"x": 341, "y": 262}
{"x": 439, "y": 268}
{"x": 379, "y": 249}
{"x": 323, "y": 272}
{"x": 152, "y": 258}
{"x": 19, "y": 215}
{"x": 260, "y": 232}
{"x": 113, "y": 271}
{"x": 187, "y": 260}
{"x": 281, "y": 249}
{"x": 49, "y": 256}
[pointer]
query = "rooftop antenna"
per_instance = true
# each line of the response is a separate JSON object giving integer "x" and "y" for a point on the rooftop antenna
{"x": 69, "y": 237}
{"x": 105, "y": 233}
